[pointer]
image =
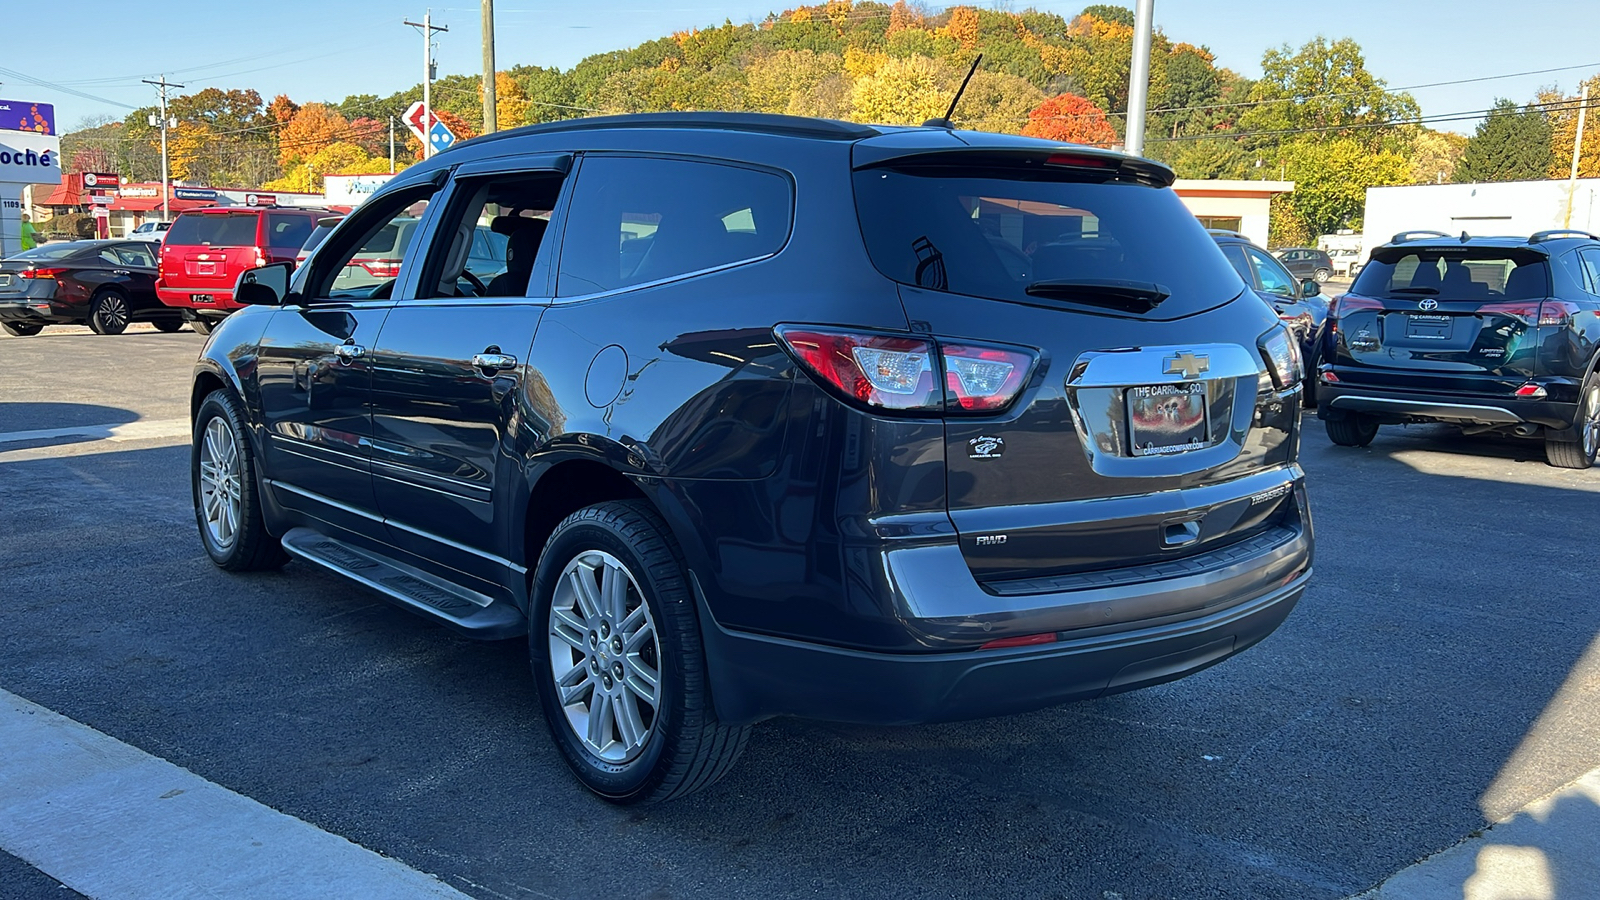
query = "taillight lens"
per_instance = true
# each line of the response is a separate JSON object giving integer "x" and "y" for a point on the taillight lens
{"x": 1548, "y": 312}
{"x": 261, "y": 258}
{"x": 905, "y": 373}
{"x": 43, "y": 273}
{"x": 1350, "y": 303}
{"x": 381, "y": 268}
{"x": 1282, "y": 353}
{"x": 983, "y": 379}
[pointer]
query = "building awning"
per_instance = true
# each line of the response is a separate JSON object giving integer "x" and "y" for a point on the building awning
{"x": 150, "y": 204}
{"x": 65, "y": 194}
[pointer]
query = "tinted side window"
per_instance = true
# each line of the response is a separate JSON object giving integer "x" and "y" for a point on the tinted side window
{"x": 136, "y": 256}
{"x": 1274, "y": 280}
{"x": 288, "y": 232}
{"x": 1591, "y": 270}
{"x": 1235, "y": 255}
{"x": 635, "y": 220}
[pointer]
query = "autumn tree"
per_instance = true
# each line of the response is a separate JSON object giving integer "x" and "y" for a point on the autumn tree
{"x": 1121, "y": 15}
{"x": 998, "y": 103}
{"x": 313, "y": 127}
{"x": 282, "y": 109}
{"x": 903, "y": 92}
{"x": 1071, "y": 119}
{"x": 1511, "y": 144}
{"x": 510, "y": 103}
{"x": 1562, "y": 110}
{"x": 1435, "y": 155}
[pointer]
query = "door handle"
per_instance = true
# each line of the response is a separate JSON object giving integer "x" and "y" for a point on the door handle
{"x": 494, "y": 362}
{"x": 347, "y": 352}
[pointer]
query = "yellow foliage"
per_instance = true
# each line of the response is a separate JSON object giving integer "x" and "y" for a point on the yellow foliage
{"x": 859, "y": 63}
{"x": 904, "y": 91}
{"x": 838, "y": 12}
{"x": 682, "y": 37}
{"x": 1201, "y": 52}
{"x": 1099, "y": 29}
{"x": 338, "y": 158}
{"x": 186, "y": 145}
{"x": 1563, "y": 111}
{"x": 801, "y": 15}
{"x": 510, "y": 103}
{"x": 963, "y": 26}
{"x": 902, "y": 17}
{"x": 670, "y": 64}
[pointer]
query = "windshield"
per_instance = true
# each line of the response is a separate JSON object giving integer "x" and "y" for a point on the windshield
{"x": 215, "y": 229}
{"x": 52, "y": 251}
{"x": 1477, "y": 273}
{"x": 993, "y": 237}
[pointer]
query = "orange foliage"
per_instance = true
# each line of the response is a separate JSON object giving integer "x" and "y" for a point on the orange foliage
{"x": 963, "y": 26}
{"x": 902, "y": 17}
{"x": 312, "y": 128}
{"x": 1071, "y": 119}
{"x": 282, "y": 109}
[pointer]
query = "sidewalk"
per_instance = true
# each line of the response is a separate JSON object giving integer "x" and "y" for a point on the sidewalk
{"x": 1548, "y": 850}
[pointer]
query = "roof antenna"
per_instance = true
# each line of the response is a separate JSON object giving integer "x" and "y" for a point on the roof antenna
{"x": 945, "y": 122}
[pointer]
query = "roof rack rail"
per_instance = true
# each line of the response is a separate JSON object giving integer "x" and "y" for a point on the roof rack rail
{"x": 1404, "y": 236}
{"x": 1540, "y": 237}
{"x": 1223, "y": 232}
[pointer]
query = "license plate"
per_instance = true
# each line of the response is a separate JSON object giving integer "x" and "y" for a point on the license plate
{"x": 1428, "y": 328}
{"x": 5, "y": 279}
{"x": 1167, "y": 418}
{"x": 202, "y": 298}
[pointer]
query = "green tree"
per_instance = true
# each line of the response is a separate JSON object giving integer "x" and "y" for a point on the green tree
{"x": 1511, "y": 144}
{"x": 1435, "y": 155}
{"x": 1108, "y": 13}
{"x": 1331, "y": 177}
{"x": 1322, "y": 88}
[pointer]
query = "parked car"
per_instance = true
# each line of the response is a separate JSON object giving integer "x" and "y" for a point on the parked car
{"x": 149, "y": 231}
{"x": 1307, "y": 262}
{"x": 1299, "y": 304}
{"x": 1018, "y": 435}
{"x": 1346, "y": 261}
{"x": 325, "y": 226}
{"x": 206, "y": 249}
{"x": 381, "y": 254}
{"x": 1493, "y": 334}
{"x": 102, "y": 284}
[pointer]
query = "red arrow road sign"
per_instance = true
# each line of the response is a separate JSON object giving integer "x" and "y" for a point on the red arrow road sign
{"x": 414, "y": 120}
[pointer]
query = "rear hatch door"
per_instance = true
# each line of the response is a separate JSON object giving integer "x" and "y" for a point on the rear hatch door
{"x": 205, "y": 250}
{"x": 1444, "y": 318}
{"x": 1119, "y": 451}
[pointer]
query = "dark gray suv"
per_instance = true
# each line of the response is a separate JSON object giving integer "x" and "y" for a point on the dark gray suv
{"x": 774, "y": 416}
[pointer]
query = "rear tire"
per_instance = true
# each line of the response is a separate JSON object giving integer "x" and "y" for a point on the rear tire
{"x": 1578, "y": 451}
{"x": 1321, "y": 276}
{"x": 167, "y": 324}
{"x": 1351, "y": 431}
{"x": 22, "y": 329}
{"x": 222, "y": 472}
{"x": 201, "y": 326}
{"x": 108, "y": 313}
{"x": 649, "y": 743}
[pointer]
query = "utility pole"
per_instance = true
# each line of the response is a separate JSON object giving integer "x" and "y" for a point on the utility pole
{"x": 166, "y": 190}
{"x": 391, "y": 145}
{"x": 428, "y": 28}
{"x": 1577, "y": 151}
{"x": 1139, "y": 76}
{"x": 489, "y": 118}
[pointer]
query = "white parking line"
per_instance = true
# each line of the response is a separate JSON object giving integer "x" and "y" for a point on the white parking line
{"x": 111, "y": 821}
{"x": 128, "y": 431}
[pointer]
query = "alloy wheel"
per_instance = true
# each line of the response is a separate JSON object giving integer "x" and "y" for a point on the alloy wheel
{"x": 112, "y": 313}
{"x": 605, "y": 656}
{"x": 221, "y": 483}
{"x": 1591, "y": 421}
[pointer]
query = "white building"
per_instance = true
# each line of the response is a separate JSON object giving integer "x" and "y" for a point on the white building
{"x": 1517, "y": 208}
{"x": 1242, "y": 206}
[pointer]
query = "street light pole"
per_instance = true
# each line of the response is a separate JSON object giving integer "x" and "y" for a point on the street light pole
{"x": 166, "y": 190}
{"x": 1139, "y": 76}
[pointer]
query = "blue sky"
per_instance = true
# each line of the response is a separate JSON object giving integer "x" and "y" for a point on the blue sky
{"x": 329, "y": 49}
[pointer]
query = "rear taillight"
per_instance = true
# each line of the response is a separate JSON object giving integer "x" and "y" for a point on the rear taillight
{"x": 42, "y": 273}
{"x": 904, "y": 373}
{"x": 261, "y": 258}
{"x": 381, "y": 268}
{"x": 1533, "y": 312}
{"x": 1532, "y": 391}
{"x": 1026, "y": 640}
{"x": 1350, "y": 303}
{"x": 1282, "y": 354}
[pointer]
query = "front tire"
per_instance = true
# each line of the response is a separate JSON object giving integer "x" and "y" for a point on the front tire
{"x": 223, "y": 475}
{"x": 1351, "y": 431}
{"x": 108, "y": 313}
{"x": 22, "y": 329}
{"x": 1579, "y": 453}
{"x": 614, "y": 641}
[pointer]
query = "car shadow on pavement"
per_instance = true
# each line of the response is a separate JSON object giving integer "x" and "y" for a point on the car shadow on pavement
{"x": 1360, "y": 737}
{"x": 16, "y": 417}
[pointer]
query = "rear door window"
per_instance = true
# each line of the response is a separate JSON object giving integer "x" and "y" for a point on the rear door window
{"x": 288, "y": 232}
{"x": 637, "y": 220}
{"x": 214, "y": 230}
{"x": 1274, "y": 278}
{"x": 990, "y": 236}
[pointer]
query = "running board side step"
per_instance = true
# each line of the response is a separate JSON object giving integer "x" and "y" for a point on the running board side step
{"x": 466, "y": 611}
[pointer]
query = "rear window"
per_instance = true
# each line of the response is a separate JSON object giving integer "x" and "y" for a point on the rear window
{"x": 991, "y": 237}
{"x": 51, "y": 251}
{"x": 214, "y": 229}
{"x": 1481, "y": 273}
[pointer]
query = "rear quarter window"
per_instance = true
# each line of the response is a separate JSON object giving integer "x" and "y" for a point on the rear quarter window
{"x": 214, "y": 229}
{"x": 637, "y": 220}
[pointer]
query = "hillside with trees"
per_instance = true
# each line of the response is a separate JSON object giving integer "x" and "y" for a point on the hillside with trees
{"x": 1317, "y": 116}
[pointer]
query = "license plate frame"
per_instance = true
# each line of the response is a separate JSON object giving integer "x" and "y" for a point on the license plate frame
{"x": 202, "y": 298}
{"x": 1164, "y": 419}
{"x": 1429, "y": 328}
{"x": 5, "y": 279}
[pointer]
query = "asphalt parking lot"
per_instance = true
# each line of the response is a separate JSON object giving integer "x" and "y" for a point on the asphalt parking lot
{"x": 1442, "y": 671}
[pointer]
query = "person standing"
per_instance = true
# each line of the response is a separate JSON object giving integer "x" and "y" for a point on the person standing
{"x": 28, "y": 242}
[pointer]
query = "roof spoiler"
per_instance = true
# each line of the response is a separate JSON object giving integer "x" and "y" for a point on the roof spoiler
{"x": 1223, "y": 232}
{"x": 1540, "y": 237}
{"x": 1063, "y": 158}
{"x": 1404, "y": 236}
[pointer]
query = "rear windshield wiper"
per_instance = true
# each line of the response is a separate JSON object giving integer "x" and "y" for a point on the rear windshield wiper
{"x": 1414, "y": 290}
{"x": 1114, "y": 293}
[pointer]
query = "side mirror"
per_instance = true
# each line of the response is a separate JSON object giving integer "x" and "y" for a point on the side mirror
{"x": 1310, "y": 288}
{"x": 266, "y": 286}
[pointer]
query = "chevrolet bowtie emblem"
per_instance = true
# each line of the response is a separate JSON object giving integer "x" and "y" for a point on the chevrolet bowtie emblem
{"x": 1187, "y": 364}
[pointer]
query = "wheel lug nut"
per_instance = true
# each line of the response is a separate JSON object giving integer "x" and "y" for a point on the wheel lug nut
{"x": 608, "y": 682}
{"x": 594, "y": 639}
{"x": 616, "y": 669}
{"x": 605, "y": 629}
{"x": 616, "y": 646}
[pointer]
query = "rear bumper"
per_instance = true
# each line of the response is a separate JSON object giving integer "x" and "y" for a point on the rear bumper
{"x": 1113, "y": 631}
{"x": 755, "y": 677}
{"x": 34, "y": 309}
{"x": 1335, "y": 401}
{"x": 183, "y": 298}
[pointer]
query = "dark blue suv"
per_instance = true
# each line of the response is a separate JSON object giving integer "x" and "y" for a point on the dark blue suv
{"x": 1494, "y": 334}
{"x": 773, "y": 416}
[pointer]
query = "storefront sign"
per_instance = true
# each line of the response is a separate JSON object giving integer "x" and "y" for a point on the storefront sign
{"x": 101, "y": 179}
{"x": 140, "y": 190}
{"x": 184, "y": 193}
{"x": 352, "y": 190}
{"x": 101, "y": 199}
{"x": 260, "y": 199}
{"x": 29, "y": 158}
{"x": 22, "y": 115}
